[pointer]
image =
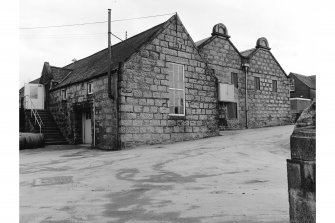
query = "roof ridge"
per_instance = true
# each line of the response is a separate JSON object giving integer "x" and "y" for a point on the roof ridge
{"x": 124, "y": 41}
{"x": 62, "y": 68}
{"x": 302, "y": 74}
{"x": 243, "y": 51}
{"x": 122, "y": 50}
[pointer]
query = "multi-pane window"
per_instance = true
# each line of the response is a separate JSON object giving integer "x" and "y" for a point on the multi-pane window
{"x": 90, "y": 88}
{"x": 176, "y": 89}
{"x": 232, "y": 110}
{"x": 274, "y": 86}
{"x": 234, "y": 79}
{"x": 257, "y": 83}
{"x": 63, "y": 94}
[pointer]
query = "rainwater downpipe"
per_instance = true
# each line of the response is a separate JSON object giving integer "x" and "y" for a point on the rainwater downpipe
{"x": 93, "y": 123}
{"x": 246, "y": 66}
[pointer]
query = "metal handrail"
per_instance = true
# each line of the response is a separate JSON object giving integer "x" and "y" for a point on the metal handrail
{"x": 37, "y": 117}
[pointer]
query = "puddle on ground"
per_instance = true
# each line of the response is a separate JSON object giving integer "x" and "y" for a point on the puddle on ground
{"x": 132, "y": 204}
{"x": 255, "y": 181}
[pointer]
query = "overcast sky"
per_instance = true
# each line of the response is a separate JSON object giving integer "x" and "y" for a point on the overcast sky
{"x": 293, "y": 28}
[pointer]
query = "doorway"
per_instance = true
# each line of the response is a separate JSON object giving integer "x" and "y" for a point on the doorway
{"x": 87, "y": 127}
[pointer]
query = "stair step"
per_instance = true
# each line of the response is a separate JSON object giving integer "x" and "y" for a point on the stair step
{"x": 56, "y": 143}
{"x": 54, "y": 138}
{"x": 52, "y": 134}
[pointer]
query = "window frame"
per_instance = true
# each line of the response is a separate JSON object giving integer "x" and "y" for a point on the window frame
{"x": 274, "y": 83}
{"x": 88, "y": 87}
{"x": 292, "y": 85}
{"x": 63, "y": 94}
{"x": 236, "y": 114}
{"x": 232, "y": 79}
{"x": 178, "y": 89}
{"x": 257, "y": 80}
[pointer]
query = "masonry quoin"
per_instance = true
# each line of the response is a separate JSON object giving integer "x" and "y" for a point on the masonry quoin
{"x": 169, "y": 89}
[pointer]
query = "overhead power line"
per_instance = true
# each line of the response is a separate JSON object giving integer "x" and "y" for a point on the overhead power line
{"x": 90, "y": 23}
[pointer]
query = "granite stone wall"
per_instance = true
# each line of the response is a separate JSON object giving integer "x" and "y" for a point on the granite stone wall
{"x": 265, "y": 107}
{"x": 144, "y": 93}
{"x": 301, "y": 168}
{"x": 223, "y": 59}
{"x": 68, "y": 113}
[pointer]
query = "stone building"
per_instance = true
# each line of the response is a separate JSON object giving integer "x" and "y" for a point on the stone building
{"x": 165, "y": 92}
{"x": 164, "y": 88}
{"x": 267, "y": 102}
{"x": 302, "y": 86}
{"x": 302, "y": 93}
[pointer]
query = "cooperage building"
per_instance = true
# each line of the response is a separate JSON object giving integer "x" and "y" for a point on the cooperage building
{"x": 168, "y": 88}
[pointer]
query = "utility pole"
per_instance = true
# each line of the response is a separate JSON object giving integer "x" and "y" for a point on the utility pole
{"x": 113, "y": 95}
{"x": 109, "y": 56}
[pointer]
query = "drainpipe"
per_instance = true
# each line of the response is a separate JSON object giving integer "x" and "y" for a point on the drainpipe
{"x": 93, "y": 123}
{"x": 116, "y": 102}
{"x": 246, "y": 66}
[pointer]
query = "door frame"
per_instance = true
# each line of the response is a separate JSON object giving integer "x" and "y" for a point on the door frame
{"x": 86, "y": 114}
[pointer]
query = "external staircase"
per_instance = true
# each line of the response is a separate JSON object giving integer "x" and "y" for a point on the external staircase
{"x": 49, "y": 128}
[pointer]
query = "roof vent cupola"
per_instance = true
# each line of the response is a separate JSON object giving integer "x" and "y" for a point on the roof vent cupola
{"x": 262, "y": 43}
{"x": 220, "y": 30}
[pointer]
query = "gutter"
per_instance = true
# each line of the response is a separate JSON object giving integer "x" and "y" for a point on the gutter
{"x": 85, "y": 80}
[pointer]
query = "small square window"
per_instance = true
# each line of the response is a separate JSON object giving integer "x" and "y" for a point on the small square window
{"x": 257, "y": 83}
{"x": 274, "y": 86}
{"x": 234, "y": 79}
{"x": 90, "y": 88}
{"x": 63, "y": 94}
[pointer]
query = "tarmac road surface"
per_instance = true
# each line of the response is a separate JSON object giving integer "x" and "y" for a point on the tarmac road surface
{"x": 237, "y": 177}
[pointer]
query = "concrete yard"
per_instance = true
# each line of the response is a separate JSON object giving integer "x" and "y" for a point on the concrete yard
{"x": 237, "y": 177}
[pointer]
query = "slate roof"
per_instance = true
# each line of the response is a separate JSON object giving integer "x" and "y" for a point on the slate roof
{"x": 97, "y": 63}
{"x": 248, "y": 53}
{"x": 201, "y": 41}
{"x": 36, "y": 81}
{"x": 309, "y": 81}
{"x": 59, "y": 73}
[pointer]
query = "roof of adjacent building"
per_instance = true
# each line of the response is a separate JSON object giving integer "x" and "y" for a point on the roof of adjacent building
{"x": 97, "y": 63}
{"x": 36, "y": 81}
{"x": 201, "y": 41}
{"x": 309, "y": 81}
{"x": 248, "y": 53}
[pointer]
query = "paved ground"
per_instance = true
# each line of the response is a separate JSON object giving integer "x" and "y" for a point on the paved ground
{"x": 239, "y": 177}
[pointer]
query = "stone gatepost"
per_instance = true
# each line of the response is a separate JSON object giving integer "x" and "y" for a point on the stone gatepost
{"x": 301, "y": 169}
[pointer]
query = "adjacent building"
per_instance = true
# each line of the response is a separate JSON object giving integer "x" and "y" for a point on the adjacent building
{"x": 265, "y": 100}
{"x": 302, "y": 86}
{"x": 163, "y": 87}
{"x": 302, "y": 92}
